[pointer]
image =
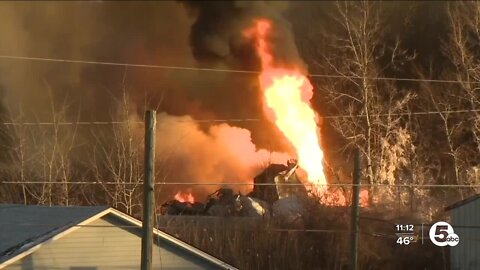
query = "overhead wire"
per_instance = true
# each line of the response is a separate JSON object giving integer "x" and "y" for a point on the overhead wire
{"x": 204, "y": 231}
{"x": 220, "y": 183}
{"x": 237, "y": 119}
{"x": 256, "y": 228}
{"x": 60, "y": 60}
{"x": 156, "y": 66}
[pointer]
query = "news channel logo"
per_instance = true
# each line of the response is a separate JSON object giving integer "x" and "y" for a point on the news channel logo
{"x": 442, "y": 234}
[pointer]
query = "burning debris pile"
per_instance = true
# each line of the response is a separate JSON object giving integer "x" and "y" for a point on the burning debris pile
{"x": 277, "y": 193}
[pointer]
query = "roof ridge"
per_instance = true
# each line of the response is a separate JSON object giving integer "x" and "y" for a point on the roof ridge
{"x": 23, "y": 244}
{"x": 462, "y": 202}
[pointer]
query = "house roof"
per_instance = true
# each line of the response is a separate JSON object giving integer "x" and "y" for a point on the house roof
{"x": 462, "y": 202}
{"x": 24, "y": 228}
{"x": 23, "y": 225}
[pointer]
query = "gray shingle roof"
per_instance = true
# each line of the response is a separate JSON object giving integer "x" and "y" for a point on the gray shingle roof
{"x": 24, "y": 225}
{"x": 462, "y": 202}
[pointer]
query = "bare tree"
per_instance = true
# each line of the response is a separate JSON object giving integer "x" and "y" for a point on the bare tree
{"x": 371, "y": 106}
{"x": 43, "y": 154}
{"x": 117, "y": 157}
{"x": 462, "y": 47}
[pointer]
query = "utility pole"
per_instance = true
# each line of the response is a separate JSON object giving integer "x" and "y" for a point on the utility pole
{"x": 148, "y": 191}
{"x": 357, "y": 174}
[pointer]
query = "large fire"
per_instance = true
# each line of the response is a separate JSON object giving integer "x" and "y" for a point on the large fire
{"x": 185, "y": 197}
{"x": 286, "y": 96}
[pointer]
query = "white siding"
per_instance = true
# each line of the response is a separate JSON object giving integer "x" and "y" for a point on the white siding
{"x": 103, "y": 245}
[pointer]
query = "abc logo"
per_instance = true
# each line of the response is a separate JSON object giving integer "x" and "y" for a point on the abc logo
{"x": 441, "y": 234}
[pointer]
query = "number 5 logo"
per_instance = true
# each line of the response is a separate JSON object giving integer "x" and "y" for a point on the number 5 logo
{"x": 441, "y": 234}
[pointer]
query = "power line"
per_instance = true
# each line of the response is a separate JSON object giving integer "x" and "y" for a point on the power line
{"x": 235, "y": 119}
{"x": 72, "y": 61}
{"x": 122, "y": 122}
{"x": 69, "y": 123}
{"x": 12, "y": 57}
{"x": 199, "y": 183}
{"x": 157, "y": 227}
{"x": 403, "y": 114}
{"x": 391, "y": 222}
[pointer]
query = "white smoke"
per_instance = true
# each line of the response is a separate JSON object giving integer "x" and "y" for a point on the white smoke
{"x": 222, "y": 153}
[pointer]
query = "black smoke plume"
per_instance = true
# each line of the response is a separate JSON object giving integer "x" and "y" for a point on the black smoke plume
{"x": 217, "y": 34}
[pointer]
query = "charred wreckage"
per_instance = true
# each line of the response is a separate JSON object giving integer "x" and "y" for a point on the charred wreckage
{"x": 268, "y": 197}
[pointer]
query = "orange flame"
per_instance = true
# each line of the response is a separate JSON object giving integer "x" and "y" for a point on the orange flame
{"x": 184, "y": 197}
{"x": 286, "y": 96}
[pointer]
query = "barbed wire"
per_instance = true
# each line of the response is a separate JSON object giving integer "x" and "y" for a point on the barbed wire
{"x": 200, "y": 183}
{"x": 157, "y": 227}
{"x": 204, "y": 231}
{"x": 183, "y": 68}
{"x": 426, "y": 225}
{"x": 236, "y": 119}
{"x": 213, "y": 217}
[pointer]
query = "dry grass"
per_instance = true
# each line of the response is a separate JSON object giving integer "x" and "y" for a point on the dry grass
{"x": 260, "y": 244}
